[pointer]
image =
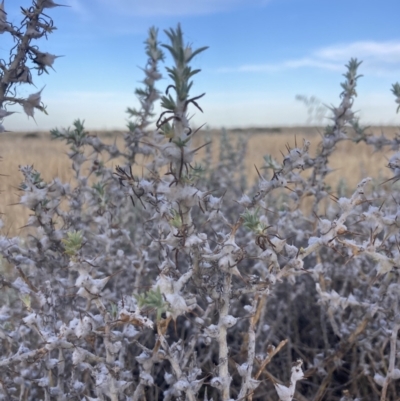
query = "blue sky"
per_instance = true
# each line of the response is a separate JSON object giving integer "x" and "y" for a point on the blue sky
{"x": 262, "y": 54}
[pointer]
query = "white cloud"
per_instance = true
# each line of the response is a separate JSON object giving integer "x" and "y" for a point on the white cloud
{"x": 179, "y": 7}
{"x": 378, "y": 58}
{"x": 288, "y": 64}
{"x": 387, "y": 51}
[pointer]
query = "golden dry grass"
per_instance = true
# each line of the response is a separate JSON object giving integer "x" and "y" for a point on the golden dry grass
{"x": 351, "y": 162}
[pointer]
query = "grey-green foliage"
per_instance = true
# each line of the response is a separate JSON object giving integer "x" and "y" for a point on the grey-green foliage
{"x": 181, "y": 75}
{"x": 182, "y": 72}
{"x": 148, "y": 94}
{"x": 223, "y": 276}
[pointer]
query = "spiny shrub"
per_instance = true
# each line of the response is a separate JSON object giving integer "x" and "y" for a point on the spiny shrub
{"x": 25, "y": 56}
{"x": 184, "y": 284}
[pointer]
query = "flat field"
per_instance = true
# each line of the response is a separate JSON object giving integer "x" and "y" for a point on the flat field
{"x": 350, "y": 162}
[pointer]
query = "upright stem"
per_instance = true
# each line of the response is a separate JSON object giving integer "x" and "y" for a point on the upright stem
{"x": 110, "y": 357}
{"x": 223, "y": 344}
{"x": 251, "y": 352}
{"x": 392, "y": 356}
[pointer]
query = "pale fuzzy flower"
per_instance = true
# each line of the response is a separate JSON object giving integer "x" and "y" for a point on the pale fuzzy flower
{"x": 3, "y": 14}
{"x": 394, "y": 163}
{"x": 5, "y": 113}
{"x": 278, "y": 243}
{"x": 3, "y": 18}
{"x": 379, "y": 379}
{"x": 31, "y": 199}
{"x": 49, "y": 4}
{"x": 287, "y": 393}
{"x": 33, "y": 101}
{"x": 33, "y": 32}
{"x": 83, "y": 327}
{"x": 177, "y": 303}
{"x": 212, "y": 331}
{"x": 89, "y": 287}
{"x": 182, "y": 385}
{"x": 21, "y": 286}
{"x": 229, "y": 321}
{"x": 242, "y": 369}
{"x": 244, "y": 201}
{"x": 217, "y": 382}
{"x": 32, "y": 320}
{"x": 22, "y": 75}
{"x": 253, "y": 384}
{"x": 146, "y": 379}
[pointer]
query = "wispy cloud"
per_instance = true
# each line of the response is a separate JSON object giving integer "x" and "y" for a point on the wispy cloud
{"x": 288, "y": 64}
{"x": 78, "y": 8}
{"x": 378, "y": 58}
{"x": 179, "y": 7}
{"x": 386, "y": 51}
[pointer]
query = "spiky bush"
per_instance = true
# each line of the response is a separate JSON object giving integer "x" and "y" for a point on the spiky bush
{"x": 24, "y": 57}
{"x": 178, "y": 285}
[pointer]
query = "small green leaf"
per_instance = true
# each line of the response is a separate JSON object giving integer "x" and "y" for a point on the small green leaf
{"x": 252, "y": 222}
{"x": 153, "y": 299}
{"x": 73, "y": 242}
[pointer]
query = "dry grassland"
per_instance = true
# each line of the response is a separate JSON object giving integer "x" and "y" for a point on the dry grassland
{"x": 351, "y": 162}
